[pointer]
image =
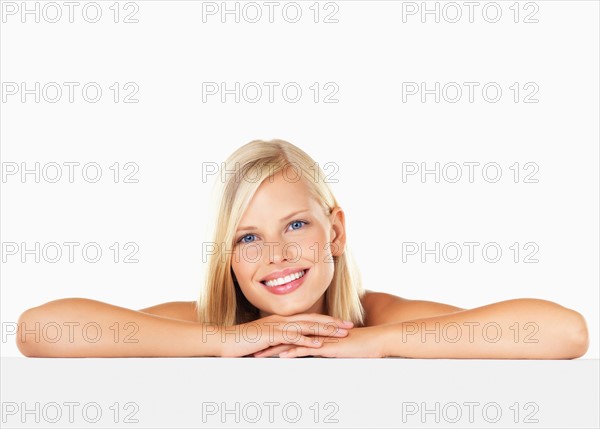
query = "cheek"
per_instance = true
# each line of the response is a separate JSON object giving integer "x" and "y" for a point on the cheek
{"x": 315, "y": 247}
{"x": 245, "y": 259}
{"x": 243, "y": 277}
{"x": 321, "y": 256}
{"x": 246, "y": 254}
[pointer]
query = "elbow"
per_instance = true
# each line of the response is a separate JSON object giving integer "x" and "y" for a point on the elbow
{"x": 31, "y": 339}
{"x": 579, "y": 337}
{"x": 28, "y": 343}
{"x": 570, "y": 338}
{"x": 30, "y": 328}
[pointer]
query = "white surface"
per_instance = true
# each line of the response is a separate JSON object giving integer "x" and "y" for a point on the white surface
{"x": 368, "y": 134}
{"x": 360, "y": 392}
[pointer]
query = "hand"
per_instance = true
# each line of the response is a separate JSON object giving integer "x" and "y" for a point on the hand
{"x": 368, "y": 342}
{"x": 306, "y": 330}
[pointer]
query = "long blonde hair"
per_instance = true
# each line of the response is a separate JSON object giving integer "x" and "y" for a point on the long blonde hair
{"x": 221, "y": 300}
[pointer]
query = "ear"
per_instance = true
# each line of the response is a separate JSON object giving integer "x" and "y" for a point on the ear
{"x": 338, "y": 231}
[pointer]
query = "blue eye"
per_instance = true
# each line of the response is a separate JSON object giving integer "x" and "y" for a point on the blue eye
{"x": 242, "y": 239}
{"x": 299, "y": 223}
{"x": 294, "y": 225}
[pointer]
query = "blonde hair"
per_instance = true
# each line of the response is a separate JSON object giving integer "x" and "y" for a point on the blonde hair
{"x": 221, "y": 300}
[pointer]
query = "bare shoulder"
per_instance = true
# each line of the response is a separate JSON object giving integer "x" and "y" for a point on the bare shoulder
{"x": 381, "y": 308}
{"x": 371, "y": 298}
{"x": 181, "y": 310}
{"x": 376, "y": 304}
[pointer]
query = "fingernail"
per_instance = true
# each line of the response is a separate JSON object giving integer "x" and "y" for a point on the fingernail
{"x": 342, "y": 331}
{"x": 347, "y": 322}
{"x": 283, "y": 354}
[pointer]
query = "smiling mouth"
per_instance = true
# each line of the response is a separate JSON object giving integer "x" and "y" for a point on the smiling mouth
{"x": 285, "y": 280}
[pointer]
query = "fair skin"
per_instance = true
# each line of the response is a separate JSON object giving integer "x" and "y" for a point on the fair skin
{"x": 394, "y": 326}
{"x": 392, "y": 323}
{"x": 263, "y": 246}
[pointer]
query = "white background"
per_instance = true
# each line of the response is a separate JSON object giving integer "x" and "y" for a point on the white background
{"x": 368, "y": 134}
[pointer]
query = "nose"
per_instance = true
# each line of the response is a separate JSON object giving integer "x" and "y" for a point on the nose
{"x": 279, "y": 251}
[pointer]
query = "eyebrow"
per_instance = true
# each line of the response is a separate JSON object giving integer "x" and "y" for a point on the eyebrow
{"x": 251, "y": 228}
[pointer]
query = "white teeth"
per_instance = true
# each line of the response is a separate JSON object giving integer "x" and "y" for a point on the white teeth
{"x": 286, "y": 279}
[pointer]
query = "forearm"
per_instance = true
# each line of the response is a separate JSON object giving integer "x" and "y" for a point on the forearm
{"x": 514, "y": 329}
{"x": 77, "y": 327}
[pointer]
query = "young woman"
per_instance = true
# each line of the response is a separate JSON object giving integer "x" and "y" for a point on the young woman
{"x": 281, "y": 281}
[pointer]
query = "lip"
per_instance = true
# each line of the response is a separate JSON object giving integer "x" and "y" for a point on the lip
{"x": 288, "y": 287}
{"x": 276, "y": 274}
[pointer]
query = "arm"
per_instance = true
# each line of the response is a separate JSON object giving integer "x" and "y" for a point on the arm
{"x": 513, "y": 329}
{"x": 181, "y": 310}
{"x": 77, "y": 327}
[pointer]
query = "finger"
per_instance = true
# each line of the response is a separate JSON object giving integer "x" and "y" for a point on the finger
{"x": 297, "y": 336}
{"x": 321, "y": 318}
{"x": 294, "y": 338}
{"x": 327, "y": 350}
{"x": 317, "y": 329}
{"x": 291, "y": 329}
{"x": 274, "y": 350}
{"x": 301, "y": 352}
{"x": 311, "y": 342}
{"x": 278, "y": 348}
{"x": 316, "y": 342}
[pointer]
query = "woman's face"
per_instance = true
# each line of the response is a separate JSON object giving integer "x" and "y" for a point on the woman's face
{"x": 284, "y": 248}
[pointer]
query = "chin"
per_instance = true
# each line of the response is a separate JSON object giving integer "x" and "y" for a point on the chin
{"x": 290, "y": 310}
